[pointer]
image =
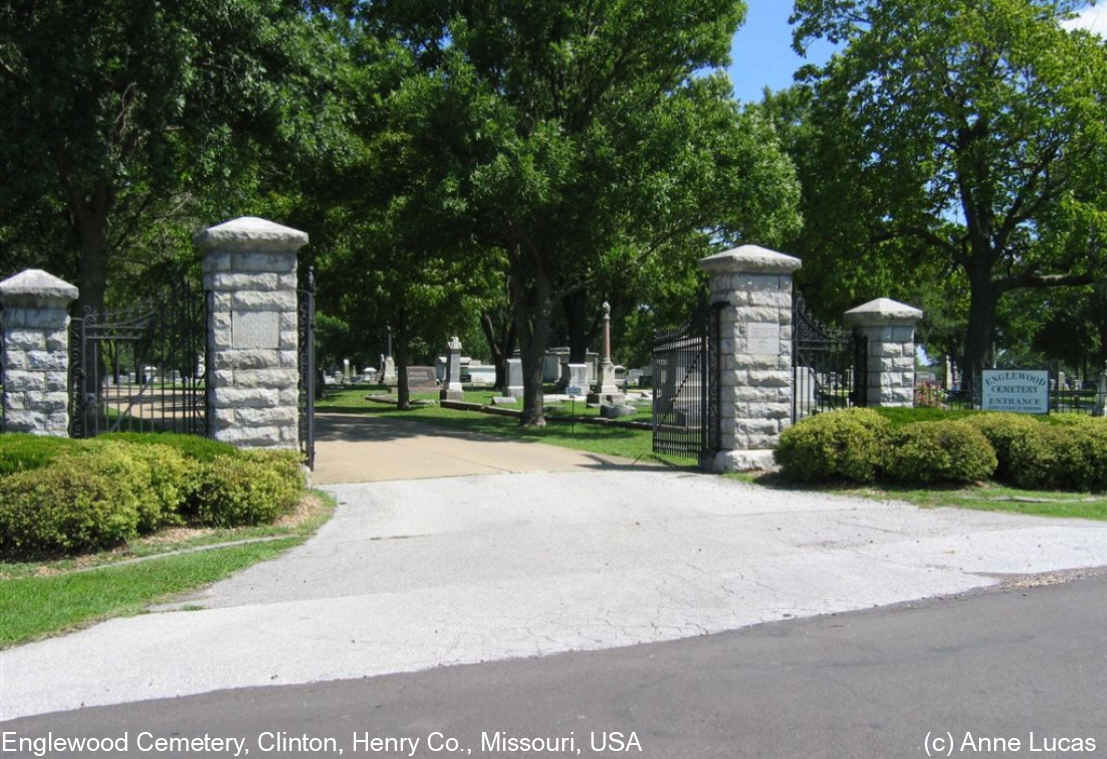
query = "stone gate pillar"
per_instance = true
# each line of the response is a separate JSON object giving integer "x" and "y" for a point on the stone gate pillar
{"x": 253, "y": 340}
{"x": 755, "y": 353}
{"x": 36, "y": 352}
{"x": 890, "y": 328}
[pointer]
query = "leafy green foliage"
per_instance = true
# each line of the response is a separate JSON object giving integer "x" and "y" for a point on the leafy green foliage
{"x": 1071, "y": 456}
{"x": 245, "y": 490}
{"x": 962, "y": 137}
{"x": 849, "y": 444}
{"x": 577, "y": 142}
{"x": 945, "y": 451}
{"x": 79, "y": 503}
{"x": 190, "y": 446}
{"x": 20, "y": 452}
{"x": 98, "y": 493}
{"x": 1002, "y": 431}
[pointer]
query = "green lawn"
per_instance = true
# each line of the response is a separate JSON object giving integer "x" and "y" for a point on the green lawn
{"x": 45, "y": 598}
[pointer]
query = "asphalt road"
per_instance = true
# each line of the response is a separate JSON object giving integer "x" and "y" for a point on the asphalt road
{"x": 1025, "y": 662}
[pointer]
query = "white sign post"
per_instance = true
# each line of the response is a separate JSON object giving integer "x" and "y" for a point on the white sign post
{"x": 1020, "y": 390}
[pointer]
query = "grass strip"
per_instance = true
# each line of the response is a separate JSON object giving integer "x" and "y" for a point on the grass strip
{"x": 38, "y": 599}
{"x": 34, "y": 607}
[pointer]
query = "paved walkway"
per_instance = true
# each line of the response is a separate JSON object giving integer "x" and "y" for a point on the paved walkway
{"x": 359, "y": 448}
{"x": 412, "y": 574}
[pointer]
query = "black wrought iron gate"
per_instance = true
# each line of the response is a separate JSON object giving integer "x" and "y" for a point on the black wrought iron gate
{"x": 141, "y": 369}
{"x": 686, "y": 387}
{"x": 306, "y": 362}
{"x": 829, "y": 366}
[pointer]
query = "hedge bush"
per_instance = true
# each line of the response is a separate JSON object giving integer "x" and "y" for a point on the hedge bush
{"x": 81, "y": 502}
{"x": 190, "y": 446}
{"x": 20, "y": 452}
{"x": 1066, "y": 456}
{"x": 98, "y": 493}
{"x": 945, "y": 451}
{"x": 847, "y": 444}
{"x": 1002, "y": 429}
{"x": 245, "y": 490}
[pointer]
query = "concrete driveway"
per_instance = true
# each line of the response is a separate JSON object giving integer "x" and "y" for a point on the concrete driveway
{"x": 360, "y": 448}
{"x": 412, "y": 574}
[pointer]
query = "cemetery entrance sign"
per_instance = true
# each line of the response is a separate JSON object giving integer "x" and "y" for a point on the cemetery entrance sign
{"x": 1020, "y": 390}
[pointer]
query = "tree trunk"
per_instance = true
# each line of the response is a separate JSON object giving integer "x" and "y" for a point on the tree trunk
{"x": 501, "y": 345}
{"x": 533, "y": 309}
{"x": 981, "y": 326}
{"x": 400, "y": 354}
{"x": 583, "y": 323}
{"x": 92, "y": 228}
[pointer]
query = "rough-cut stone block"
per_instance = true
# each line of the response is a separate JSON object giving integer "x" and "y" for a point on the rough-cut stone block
{"x": 221, "y": 320}
{"x": 290, "y": 339}
{"x": 17, "y": 381}
{"x": 57, "y": 340}
{"x": 57, "y": 381}
{"x": 250, "y": 359}
{"x": 265, "y": 417}
{"x": 49, "y": 401}
{"x": 224, "y": 417}
{"x": 254, "y": 281}
{"x": 47, "y": 361}
{"x": 290, "y": 396}
{"x": 264, "y": 262}
{"x": 16, "y": 359}
{"x": 250, "y": 437}
{"x": 289, "y": 320}
{"x": 288, "y": 359}
{"x": 25, "y": 420}
{"x": 253, "y": 300}
{"x": 743, "y": 461}
{"x": 769, "y": 379}
{"x": 278, "y": 378}
{"x": 25, "y": 339}
{"x": 750, "y": 314}
{"x": 245, "y": 397}
{"x": 222, "y": 378}
{"x": 222, "y": 302}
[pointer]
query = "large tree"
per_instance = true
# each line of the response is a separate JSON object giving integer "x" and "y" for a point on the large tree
{"x": 966, "y": 131}
{"x": 588, "y": 132}
{"x": 122, "y": 115}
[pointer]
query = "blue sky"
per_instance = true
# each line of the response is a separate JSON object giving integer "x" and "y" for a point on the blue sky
{"x": 762, "y": 49}
{"x": 761, "y": 52}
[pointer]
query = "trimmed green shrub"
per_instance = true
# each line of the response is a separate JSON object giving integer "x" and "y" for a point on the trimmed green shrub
{"x": 247, "y": 489}
{"x": 172, "y": 479}
{"x": 82, "y": 502}
{"x": 847, "y": 444}
{"x": 190, "y": 446}
{"x": 20, "y": 451}
{"x": 1067, "y": 456}
{"x": 945, "y": 451}
{"x": 900, "y": 416}
{"x": 1002, "y": 429}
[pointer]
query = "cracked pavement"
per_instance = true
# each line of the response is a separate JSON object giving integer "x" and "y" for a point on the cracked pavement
{"x": 414, "y": 574}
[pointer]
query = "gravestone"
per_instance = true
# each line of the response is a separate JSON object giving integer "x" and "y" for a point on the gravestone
{"x": 451, "y": 385}
{"x": 515, "y": 377}
{"x": 578, "y": 379}
{"x": 421, "y": 379}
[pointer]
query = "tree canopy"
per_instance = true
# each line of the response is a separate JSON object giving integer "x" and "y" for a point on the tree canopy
{"x": 587, "y": 132}
{"x": 961, "y": 132}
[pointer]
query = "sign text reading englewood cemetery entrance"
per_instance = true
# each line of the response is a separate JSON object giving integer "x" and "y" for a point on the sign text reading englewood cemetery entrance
{"x": 1019, "y": 390}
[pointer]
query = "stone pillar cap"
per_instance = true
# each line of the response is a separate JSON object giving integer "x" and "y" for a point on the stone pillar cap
{"x": 880, "y": 311}
{"x": 252, "y": 235}
{"x": 32, "y": 284}
{"x": 750, "y": 259}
